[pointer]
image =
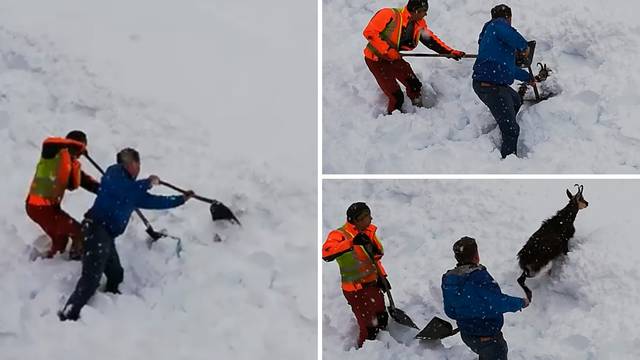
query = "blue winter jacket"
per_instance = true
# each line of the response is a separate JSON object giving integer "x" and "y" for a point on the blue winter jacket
{"x": 119, "y": 195}
{"x": 474, "y": 300}
{"x": 496, "y": 62}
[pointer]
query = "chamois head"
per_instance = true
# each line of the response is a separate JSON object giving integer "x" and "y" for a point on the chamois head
{"x": 577, "y": 198}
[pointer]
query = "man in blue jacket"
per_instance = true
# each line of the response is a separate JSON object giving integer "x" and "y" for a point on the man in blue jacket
{"x": 474, "y": 300}
{"x": 119, "y": 195}
{"x": 495, "y": 70}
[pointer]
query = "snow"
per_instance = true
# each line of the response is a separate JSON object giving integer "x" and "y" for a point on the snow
{"x": 590, "y": 127}
{"x": 198, "y": 88}
{"x": 585, "y": 308}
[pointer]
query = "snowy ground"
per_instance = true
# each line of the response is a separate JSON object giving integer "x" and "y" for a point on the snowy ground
{"x": 200, "y": 94}
{"x": 590, "y": 127}
{"x": 585, "y": 309}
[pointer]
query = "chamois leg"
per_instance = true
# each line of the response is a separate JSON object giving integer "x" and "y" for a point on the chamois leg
{"x": 526, "y": 289}
{"x": 565, "y": 247}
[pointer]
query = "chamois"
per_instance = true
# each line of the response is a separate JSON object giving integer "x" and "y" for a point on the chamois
{"x": 552, "y": 239}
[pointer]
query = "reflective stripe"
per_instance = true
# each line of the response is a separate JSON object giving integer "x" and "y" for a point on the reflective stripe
{"x": 40, "y": 201}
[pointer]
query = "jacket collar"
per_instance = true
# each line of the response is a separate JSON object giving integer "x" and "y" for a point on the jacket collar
{"x": 406, "y": 15}
{"x": 351, "y": 229}
{"x": 500, "y": 19}
{"x": 465, "y": 269}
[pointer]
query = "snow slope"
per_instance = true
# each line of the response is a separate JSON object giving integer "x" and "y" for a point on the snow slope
{"x": 206, "y": 111}
{"x": 586, "y": 308}
{"x": 590, "y": 127}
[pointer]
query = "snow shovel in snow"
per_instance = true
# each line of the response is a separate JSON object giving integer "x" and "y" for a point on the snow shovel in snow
{"x": 219, "y": 211}
{"x": 398, "y": 315}
{"x": 153, "y": 235}
{"x": 437, "y": 329}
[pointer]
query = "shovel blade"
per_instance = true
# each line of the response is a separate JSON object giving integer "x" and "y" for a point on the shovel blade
{"x": 436, "y": 329}
{"x": 543, "y": 97}
{"x": 220, "y": 211}
{"x": 401, "y": 317}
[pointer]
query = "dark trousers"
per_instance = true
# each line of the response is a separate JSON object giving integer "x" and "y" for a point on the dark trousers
{"x": 489, "y": 348}
{"x": 100, "y": 256}
{"x": 388, "y": 73}
{"x": 368, "y": 306}
{"x": 60, "y": 227}
{"x": 504, "y": 103}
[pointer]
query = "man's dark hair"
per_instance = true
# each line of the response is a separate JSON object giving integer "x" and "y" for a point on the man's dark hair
{"x": 127, "y": 155}
{"x": 500, "y": 11}
{"x": 414, "y": 5}
{"x": 77, "y": 135}
{"x": 465, "y": 250}
{"x": 355, "y": 210}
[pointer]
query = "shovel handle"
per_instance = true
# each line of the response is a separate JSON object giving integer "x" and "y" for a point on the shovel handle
{"x": 195, "y": 196}
{"x": 535, "y": 86}
{"x": 388, "y": 292}
{"x": 466, "y": 56}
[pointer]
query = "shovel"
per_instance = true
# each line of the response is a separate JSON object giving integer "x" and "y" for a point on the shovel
{"x": 219, "y": 211}
{"x": 437, "y": 329}
{"x": 398, "y": 315}
{"x": 526, "y": 63}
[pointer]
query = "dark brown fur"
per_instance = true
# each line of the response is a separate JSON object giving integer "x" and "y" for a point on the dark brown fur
{"x": 552, "y": 239}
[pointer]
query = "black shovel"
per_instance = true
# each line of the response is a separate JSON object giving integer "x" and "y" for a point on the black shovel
{"x": 398, "y": 315}
{"x": 219, "y": 211}
{"x": 437, "y": 329}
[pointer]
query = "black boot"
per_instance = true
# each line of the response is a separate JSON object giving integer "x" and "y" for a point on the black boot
{"x": 112, "y": 289}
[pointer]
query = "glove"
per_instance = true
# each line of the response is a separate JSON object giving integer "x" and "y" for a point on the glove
{"x": 393, "y": 54}
{"x": 188, "y": 195}
{"x": 154, "y": 180}
{"x": 384, "y": 284}
{"x": 361, "y": 239}
{"x": 457, "y": 54}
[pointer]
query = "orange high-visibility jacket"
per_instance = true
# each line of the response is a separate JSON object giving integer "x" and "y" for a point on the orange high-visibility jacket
{"x": 385, "y": 29}
{"x": 357, "y": 268}
{"x": 56, "y": 172}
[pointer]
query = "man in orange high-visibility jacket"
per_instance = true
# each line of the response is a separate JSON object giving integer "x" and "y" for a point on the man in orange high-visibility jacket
{"x": 57, "y": 171}
{"x": 358, "y": 252}
{"x": 391, "y": 30}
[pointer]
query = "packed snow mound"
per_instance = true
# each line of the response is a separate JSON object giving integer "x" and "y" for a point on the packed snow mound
{"x": 589, "y": 127}
{"x": 584, "y": 308}
{"x": 235, "y": 299}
